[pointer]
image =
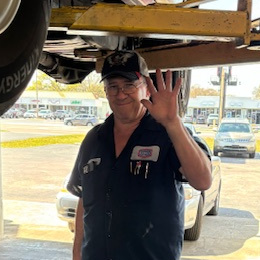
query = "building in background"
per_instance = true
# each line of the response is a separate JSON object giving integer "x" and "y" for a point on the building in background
{"x": 82, "y": 102}
{"x": 234, "y": 107}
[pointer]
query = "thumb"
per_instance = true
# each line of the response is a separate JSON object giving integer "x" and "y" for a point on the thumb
{"x": 147, "y": 103}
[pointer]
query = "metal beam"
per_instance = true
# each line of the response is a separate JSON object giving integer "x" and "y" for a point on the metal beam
{"x": 191, "y": 3}
{"x": 156, "y": 20}
{"x": 204, "y": 55}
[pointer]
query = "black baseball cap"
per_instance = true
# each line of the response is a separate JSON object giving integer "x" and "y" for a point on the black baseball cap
{"x": 127, "y": 64}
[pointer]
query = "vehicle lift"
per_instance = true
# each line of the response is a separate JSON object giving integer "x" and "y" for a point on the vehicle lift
{"x": 222, "y": 37}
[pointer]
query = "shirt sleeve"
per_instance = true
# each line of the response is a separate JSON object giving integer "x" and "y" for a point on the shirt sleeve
{"x": 74, "y": 184}
{"x": 204, "y": 147}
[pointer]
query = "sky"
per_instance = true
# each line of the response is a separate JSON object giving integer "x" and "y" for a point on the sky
{"x": 248, "y": 75}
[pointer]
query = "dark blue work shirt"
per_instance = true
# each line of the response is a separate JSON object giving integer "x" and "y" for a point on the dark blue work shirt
{"x": 133, "y": 204}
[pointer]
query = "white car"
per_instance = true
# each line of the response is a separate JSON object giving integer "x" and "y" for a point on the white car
{"x": 212, "y": 119}
{"x": 30, "y": 114}
{"x": 45, "y": 113}
{"x": 235, "y": 136}
{"x": 197, "y": 203}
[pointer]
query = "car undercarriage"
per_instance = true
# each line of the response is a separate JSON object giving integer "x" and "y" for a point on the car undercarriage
{"x": 74, "y": 36}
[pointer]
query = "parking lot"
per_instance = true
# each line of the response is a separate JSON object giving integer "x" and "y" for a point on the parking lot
{"x": 33, "y": 176}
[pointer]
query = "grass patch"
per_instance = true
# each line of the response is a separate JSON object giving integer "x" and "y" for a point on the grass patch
{"x": 209, "y": 141}
{"x": 41, "y": 141}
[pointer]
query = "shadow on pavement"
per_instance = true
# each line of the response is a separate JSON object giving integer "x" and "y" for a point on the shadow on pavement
{"x": 222, "y": 234}
{"x": 31, "y": 242}
{"x": 27, "y": 249}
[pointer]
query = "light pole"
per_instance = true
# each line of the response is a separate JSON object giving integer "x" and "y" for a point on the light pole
{"x": 1, "y": 196}
{"x": 222, "y": 97}
{"x": 224, "y": 78}
{"x": 37, "y": 93}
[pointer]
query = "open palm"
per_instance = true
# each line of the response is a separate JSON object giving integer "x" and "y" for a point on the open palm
{"x": 164, "y": 103}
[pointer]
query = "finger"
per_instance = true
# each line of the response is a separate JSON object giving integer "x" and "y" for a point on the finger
{"x": 160, "y": 80}
{"x": 168, "y": 81}
{"x": 177, "y": 86}
{"x": 148, "y": 104}
{"x": 150, "y": 85}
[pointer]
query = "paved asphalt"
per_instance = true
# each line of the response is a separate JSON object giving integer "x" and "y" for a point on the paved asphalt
{"x": 33, "y": 230}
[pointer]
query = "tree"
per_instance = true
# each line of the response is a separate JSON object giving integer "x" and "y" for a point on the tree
{"x": 256, "y": 92}
{"x": 43, "y": 82}
{"x": 196, "y": 90}
{"x": 92, "y": 84}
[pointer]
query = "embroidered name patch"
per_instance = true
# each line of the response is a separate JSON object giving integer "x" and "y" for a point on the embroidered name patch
{"x": 92, "y": 163}
{"x": 146, "y": 153}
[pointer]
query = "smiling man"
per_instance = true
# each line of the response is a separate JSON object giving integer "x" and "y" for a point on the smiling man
{"x": 130, "y": 169}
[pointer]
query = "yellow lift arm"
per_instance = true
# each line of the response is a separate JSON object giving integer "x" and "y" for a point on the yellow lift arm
{"x": 222, "y": 36}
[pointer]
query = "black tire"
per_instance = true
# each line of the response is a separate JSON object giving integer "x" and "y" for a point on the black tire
{"x": 21, "y": 47}
{"x": 215, "y": 209}
{"x": 71, "y": 227}
{"x": 193, "y": 233}
{"x": 183, "y": 98}
{"x": 69, "y": 123}
{"x": 215, "y": 153}
{"x": 252, "y": 155}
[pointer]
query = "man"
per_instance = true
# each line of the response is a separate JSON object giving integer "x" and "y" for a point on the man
{"x": 129, "y": 169}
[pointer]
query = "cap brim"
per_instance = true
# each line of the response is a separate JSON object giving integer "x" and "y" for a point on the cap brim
{"x": 128, "y": 75}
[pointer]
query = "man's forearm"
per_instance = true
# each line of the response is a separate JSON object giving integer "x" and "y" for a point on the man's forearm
{"x": 79, "y": 231}
{"x": 195, "y": 165}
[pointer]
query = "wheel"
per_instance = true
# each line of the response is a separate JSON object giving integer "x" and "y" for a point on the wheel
{"x": 71, "y": 226}
{"x": 193, "y": 233}
{"x": 69, "y": 123}
{"x": 22, "y": 40}
{"x": 215, "y": 209}
{"x": 89, "y": 123}
{"x": 183, "y": 97}
{"x": 252, "y": 155}
{"x": 215, "y": 153}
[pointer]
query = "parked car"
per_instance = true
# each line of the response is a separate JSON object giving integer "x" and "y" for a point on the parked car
{"x": 30, "y": 114}
{"x": 192, "y": 129}
{"x": 13, "y": 113}
{"x": 60, "y": 114}
{"x": 197, "y": 203}
{"x": 45, "y": 113}
{"x": 81, "y": 119}
{"x": 235, "y": 136}
{"x": 187, "y": 119}
{"x": 201, "y": 119}
{"x": 212, "y": 119}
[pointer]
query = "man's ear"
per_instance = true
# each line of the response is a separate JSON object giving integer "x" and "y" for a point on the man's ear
{"x": 148, "y": 94}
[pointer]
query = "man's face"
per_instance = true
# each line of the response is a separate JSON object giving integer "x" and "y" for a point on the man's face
{"x": 124, "y": 97}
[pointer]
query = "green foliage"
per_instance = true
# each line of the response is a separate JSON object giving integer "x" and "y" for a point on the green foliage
{"x": 256, "y": 92}
{"x": 41, "y": 141}
{"x": 92, "y": 83}
{"x": 199, "y": 91}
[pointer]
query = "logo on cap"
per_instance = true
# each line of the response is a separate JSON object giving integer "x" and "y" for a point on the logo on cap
{"x": 119, "y": 59}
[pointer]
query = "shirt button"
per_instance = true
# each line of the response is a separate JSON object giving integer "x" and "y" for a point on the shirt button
{"x": 109, "y": 236}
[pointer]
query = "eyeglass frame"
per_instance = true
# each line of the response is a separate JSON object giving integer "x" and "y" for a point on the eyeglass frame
{"x": 122, "y": 88}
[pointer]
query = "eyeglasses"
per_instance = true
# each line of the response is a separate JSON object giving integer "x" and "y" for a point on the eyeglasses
{"x": 128, "y": 88}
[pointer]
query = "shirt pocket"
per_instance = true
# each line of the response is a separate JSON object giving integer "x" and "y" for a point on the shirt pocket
{"x": 142, "y": 180}
{"x": 92, "y": 183}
